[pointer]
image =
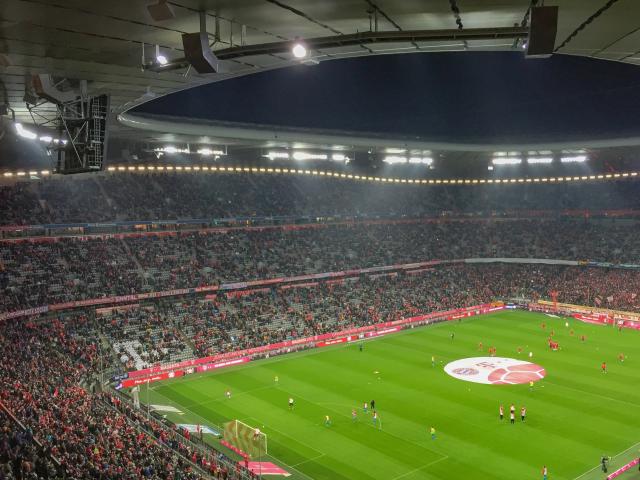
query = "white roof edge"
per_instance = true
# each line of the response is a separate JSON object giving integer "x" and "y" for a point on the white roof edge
{"x": 267, "y": 133}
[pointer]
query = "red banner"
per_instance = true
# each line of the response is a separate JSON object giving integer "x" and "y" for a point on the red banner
{"x": 335, "y": 341}
{"x": 24, "y": 313}
{"x": 132, "y": 382}
{"x": 380, "y": 333}
{"x": 621, "y": 470}
{"x": 243, "y": 293}
{"x": 228, "y": 363}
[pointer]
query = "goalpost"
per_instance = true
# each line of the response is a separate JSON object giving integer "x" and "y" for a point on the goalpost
{"x": 249, "y": 439}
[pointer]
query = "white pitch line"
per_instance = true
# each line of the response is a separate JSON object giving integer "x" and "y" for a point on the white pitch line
{"x": 308, "y": 460}
{"x": 420, "y": 468}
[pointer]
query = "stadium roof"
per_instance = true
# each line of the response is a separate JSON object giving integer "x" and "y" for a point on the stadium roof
{"x": 101, "y": 42}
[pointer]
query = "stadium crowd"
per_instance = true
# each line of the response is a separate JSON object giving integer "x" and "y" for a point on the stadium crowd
{"x": 57, "y": 424}
{"x": 45, "y": 366}
{"x": 224, "y": 323}
{"x": 46, "y": 272}
{"x": 167, "y": 196}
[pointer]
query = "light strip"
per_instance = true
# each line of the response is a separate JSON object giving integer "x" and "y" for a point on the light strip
{"x": 421, "y": 160}
{"x": 394, "y": 159}
{"x": 308, "y": 156}
{"x": 539, "y": 160}
{"x": 574, "y": 159}
{"x": 205, "y": 152}
{"x": 506, "y": 161}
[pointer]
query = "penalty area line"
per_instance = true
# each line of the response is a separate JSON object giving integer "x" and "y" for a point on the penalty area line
{"x": 420, "y": 468}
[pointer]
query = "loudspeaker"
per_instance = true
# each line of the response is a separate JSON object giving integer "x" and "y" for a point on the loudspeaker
{"x": 542, "y": 31}
{"x": 161, "y": 11}
{"x": 198, "y": 53}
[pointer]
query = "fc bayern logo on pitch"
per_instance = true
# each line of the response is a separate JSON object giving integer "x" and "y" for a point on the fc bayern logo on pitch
{"x": 495, "y": 370}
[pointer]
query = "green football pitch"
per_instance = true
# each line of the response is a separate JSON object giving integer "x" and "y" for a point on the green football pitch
{"x": 575, "y": 414}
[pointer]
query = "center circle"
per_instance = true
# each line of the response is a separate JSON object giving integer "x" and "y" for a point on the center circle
{"x": 495, "y": 370}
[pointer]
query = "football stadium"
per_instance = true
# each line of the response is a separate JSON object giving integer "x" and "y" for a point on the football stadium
{"x": 330, "y": 239}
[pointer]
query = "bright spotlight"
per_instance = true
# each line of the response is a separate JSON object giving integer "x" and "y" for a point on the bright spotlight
{"x": 299, "y": 50}
{"x": 160, "y": 58}
{"x": 20, "y": 130}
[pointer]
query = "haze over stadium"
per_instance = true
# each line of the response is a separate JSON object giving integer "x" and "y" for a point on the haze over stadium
{"x": 364, "y": 239}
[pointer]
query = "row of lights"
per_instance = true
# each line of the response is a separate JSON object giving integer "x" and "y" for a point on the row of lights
{"x": 205, "y": 168}
{"x": 196, "y": 168}
{"x": 205, "y": 152}
{"x": 397, "y": 159}
{"x": 537, "y": 158}
{"x": 31, "y": 173}
{"x": 402, "y": 156}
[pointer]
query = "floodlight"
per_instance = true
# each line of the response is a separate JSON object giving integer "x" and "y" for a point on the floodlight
{"x": 299, "y": 50}
{"x": 25, "y": 133}
{"x": 161, "y": 59}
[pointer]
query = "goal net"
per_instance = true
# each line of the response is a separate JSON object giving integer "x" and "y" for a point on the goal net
{"x": 249, "y": 439}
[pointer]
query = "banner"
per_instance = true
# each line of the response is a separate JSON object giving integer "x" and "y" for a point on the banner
{"x": 24, "y": 313}
{"x": 132, "y": 382}
{"x": 228, "y": 363}
{"x": 335, "y": 341}
{"x": 380, "y": 333}
{"x": 545, "y": 261}
{"x": 594, "y": 315}
{"x": 591, "y": 310}
{"x": 621, "y": 470}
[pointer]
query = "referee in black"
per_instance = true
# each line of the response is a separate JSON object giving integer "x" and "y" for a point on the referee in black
{"x": 373, "y": 405}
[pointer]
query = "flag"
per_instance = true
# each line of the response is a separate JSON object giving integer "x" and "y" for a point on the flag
{"x": 610, "y": 298}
